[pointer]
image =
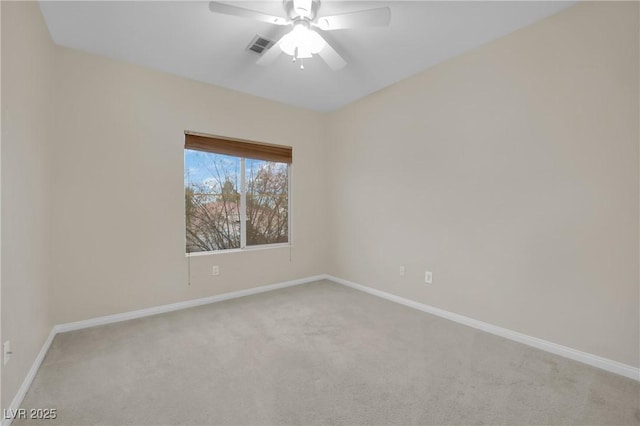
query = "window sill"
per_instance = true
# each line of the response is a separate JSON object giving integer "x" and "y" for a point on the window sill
{"x": 239, "y": 250}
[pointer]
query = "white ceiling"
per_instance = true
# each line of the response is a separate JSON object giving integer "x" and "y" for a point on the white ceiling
{"x": 186, "y": 39}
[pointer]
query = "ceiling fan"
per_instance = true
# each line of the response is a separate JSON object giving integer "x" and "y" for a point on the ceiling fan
{"x": 304, "y": 41}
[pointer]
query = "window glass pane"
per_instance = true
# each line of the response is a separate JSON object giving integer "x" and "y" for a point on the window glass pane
{"x": 212, "y": 201}
{"x": 267, "y": 202}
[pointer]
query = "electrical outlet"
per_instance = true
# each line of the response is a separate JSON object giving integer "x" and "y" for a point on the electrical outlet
{"x": 6, "y": 351}
{"x": 402, "y": 271}
{"x": 428, "y": 277}
{"x": 215, "y": 270}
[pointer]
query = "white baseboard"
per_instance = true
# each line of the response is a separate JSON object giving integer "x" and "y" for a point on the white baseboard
{"x": 26, "y": 384}
{"x": 77, "y": 325}
{"x": 576, "y": 355}
{"x": 593, "y": 360}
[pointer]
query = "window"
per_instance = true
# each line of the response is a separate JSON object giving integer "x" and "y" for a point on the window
{"x": 236, "y": 193}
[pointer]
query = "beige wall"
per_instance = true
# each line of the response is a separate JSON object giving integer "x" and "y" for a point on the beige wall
{"x": 27, "y": 63}
{"x": 511, "y": 172}
{"x": 118, "y": 196}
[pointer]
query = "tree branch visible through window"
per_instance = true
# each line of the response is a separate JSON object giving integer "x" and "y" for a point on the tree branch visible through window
{"x": 213, "y": 197}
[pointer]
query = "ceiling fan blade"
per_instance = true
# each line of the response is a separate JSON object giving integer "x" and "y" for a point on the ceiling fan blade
{"x": 379, "y": 17}
{"x": 225, "y": 9}
{"x": 332, "y": 58}
{"x": 270, "y": 55}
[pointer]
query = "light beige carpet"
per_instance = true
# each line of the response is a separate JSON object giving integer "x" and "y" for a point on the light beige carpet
{"x": 316, "y": 354}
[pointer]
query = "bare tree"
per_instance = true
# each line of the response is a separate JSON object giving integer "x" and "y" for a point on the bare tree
{"x": 267, "y": 204}
{"x": 212, "y": 207}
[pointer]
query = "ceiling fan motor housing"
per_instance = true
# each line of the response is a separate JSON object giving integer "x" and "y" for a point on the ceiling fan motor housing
{"x": 296, "y": 14}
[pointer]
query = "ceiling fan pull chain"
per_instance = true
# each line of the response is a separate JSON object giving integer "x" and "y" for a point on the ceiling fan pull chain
{"x": 295, "y": 53}
{"x": 302, "y": 63}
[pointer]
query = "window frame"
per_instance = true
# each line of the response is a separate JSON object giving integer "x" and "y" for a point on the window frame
{"x": 243, "y": 214}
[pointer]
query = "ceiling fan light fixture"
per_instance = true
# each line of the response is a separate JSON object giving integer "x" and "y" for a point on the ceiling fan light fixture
{"x": 302, "y": 41}
{"x": 316, "y": 42}
{"x": 304, "y": 53}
